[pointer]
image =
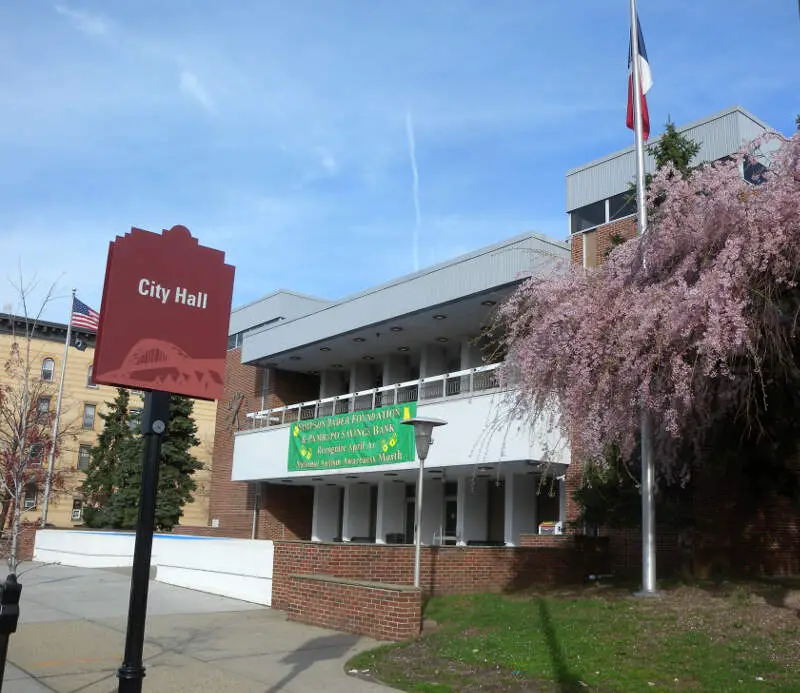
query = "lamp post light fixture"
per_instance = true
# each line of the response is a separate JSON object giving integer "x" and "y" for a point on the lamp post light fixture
{"x": 423, "y": 437}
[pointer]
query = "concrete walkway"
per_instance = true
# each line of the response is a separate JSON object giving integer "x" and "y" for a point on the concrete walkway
{"x": 72, "y": 633}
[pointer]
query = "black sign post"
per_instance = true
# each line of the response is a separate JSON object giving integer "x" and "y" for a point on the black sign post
{"x": 10, "y": 592}
{"x": 155, "y": 417}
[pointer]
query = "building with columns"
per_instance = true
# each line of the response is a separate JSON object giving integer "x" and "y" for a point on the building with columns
{"x": 317, "y": 390}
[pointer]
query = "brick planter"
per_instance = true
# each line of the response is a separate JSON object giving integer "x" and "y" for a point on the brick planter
{"x": 380, "y": 611}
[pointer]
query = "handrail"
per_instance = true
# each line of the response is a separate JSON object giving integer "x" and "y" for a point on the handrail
{"x": 431, "y": 388}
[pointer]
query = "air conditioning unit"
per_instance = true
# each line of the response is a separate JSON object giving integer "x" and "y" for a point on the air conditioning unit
{"x": 29, "y": 504}
{"x": 76, "y": 514}
{"x": 550, "y": 528}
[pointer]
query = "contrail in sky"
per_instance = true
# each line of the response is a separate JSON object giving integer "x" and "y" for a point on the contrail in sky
{"x": 412, "y": 152}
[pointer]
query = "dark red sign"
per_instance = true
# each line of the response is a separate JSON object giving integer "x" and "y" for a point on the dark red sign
{"x": 164, "y": 316}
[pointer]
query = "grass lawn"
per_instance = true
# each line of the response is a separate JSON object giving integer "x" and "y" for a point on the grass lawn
{"x": 710, "y": 638}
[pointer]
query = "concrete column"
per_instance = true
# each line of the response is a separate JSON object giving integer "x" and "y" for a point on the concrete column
{"x": 471, "y": 356}
{"x": 432, "y": 510}
{"x": 361, "y": 377}
{"x": 520, "y": 507}
{"x": 325, "y": 520}
{"x": 355, "y": 521}
{"x": 473, "y": 507}
{"x": 395, "y": 369}
{"x": 433, "y": 361}
{"x": 331, "y": 383}
{"x": 391, "y": 502}
{"x": 562, "y": 503}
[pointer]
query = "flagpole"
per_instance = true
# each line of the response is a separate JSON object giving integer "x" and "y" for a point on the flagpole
{"x": 48, "y": 480}
{"x": 648, "y": 467}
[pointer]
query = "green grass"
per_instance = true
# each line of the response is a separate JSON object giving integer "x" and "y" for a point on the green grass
{"x": 690, "y": 640}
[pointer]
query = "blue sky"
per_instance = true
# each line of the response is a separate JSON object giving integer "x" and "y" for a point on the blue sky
{"x": 279, "y": 131}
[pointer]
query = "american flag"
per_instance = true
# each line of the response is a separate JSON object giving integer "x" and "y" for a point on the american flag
{"x": 83, "y": 316}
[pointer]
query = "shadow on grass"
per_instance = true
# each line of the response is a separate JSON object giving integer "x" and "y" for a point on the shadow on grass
{"x": 568, "y": 682}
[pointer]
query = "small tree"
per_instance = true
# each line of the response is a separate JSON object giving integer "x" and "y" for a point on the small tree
{"x": 26, "y": 438}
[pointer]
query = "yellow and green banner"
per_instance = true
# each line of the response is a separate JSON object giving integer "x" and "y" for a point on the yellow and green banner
{"x": 355, "y": 439}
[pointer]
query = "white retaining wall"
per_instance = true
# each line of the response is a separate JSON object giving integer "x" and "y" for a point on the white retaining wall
{"x": 237, "y": 568}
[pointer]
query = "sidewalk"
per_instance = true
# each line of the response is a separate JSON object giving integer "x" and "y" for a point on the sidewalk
{"x": 72, "y": 633}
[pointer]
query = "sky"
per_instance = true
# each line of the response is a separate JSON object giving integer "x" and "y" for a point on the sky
{"x": 330, "y": 146}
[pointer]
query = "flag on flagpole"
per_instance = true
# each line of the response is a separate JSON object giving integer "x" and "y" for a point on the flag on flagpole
{"x": 644, "y": 77}
{"x": 83, "y": 316}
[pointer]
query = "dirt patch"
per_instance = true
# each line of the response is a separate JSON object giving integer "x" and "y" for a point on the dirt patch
{"x": 429, "y": 668}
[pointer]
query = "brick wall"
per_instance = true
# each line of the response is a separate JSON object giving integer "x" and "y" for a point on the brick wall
{"x": 284, "y": 512}
{"x": 443, "y": 569}
{"x": 576, "y": 247}
{"x": 382, "y": 612}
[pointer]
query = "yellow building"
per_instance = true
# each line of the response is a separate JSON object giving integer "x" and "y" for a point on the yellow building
{"x": 81, "y": 406}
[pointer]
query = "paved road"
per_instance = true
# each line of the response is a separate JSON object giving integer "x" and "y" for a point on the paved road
{"x": 72, "y": 632}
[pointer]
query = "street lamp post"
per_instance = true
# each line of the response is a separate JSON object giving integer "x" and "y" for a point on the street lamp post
{"x": 423, "y": 437}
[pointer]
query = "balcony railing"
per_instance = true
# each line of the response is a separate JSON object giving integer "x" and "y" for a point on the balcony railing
{"x": 436, "y": 387}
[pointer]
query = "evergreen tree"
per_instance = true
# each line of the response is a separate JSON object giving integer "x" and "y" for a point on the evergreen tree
{"x": 121, "y": 510}
{"x": 178, "y": 465}
{"x": 673, "y": 148}
{"x": 112, "y": 444}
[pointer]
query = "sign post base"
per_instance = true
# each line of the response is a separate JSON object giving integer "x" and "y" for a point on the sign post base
{"x": 155, "y": 416}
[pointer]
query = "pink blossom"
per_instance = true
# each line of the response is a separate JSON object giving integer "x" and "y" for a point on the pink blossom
{"x": 682, "y": 321}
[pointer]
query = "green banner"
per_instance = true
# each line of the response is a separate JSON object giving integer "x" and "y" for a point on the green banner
{"x": 355, "y": 439}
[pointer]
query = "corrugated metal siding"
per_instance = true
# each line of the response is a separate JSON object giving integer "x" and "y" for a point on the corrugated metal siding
{"x": 719, "y": 137}
{"x": 482, "y": 271}
{"x": 280, "y": 304}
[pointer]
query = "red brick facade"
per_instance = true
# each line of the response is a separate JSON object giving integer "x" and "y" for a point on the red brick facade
{"x": 443, "y": 569}
{"x": 599, "y": 240}
{"x": 284, "y": 512}
{"x": 383, "y": 612}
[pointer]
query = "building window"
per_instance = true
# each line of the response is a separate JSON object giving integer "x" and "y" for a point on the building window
{"x": 35, "y": 454}
{"x": 43, "y": 409}
{"x": 84, "y": 456}
{"x": 48, "y": 369}
{"x": 754, "y": 172}
{"x": 622, "y": 205}
{"x": 588, "y": 217}
{"x": 89, "y": 381}
{"x": 30, "y": 497}
{"x": 134, "y": 417}
{"x": 88, "y": 415}
{"x": 233, "y": 340}
{"x": 77, "y": 509}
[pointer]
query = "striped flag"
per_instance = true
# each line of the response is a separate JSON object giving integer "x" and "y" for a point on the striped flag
{"x": 83, "y": 316}
{"x": 644, "y": 77}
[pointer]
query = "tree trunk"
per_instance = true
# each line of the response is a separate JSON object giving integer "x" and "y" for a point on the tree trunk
{"x": 12, "y": 556}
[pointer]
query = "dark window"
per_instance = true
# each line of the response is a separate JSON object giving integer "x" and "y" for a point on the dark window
{"x": 77, "y": 509}
{"x": 88, "y": 415}
{"x": 233, "y": 341}
{"x": 43, "y": 409}
{"x": 588, "y": 217}
{"x": 35, "y": 454}
{"x": 754, "y": 172}
{"x": 29, "y": 499}
{"x": 48, "y": 369}
{"x": 622, "y": 205}
{"x": 84, "y": 456}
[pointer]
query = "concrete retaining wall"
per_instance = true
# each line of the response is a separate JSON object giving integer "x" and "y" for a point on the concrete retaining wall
{"x": 237, "y": 568}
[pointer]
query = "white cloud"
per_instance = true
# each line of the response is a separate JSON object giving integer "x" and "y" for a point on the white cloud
{"x": 191, "y": 85}
{"x": 85, "y": 22}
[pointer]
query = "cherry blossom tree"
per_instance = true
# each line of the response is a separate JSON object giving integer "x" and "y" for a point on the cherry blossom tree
{"x": 696, "y": 321}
